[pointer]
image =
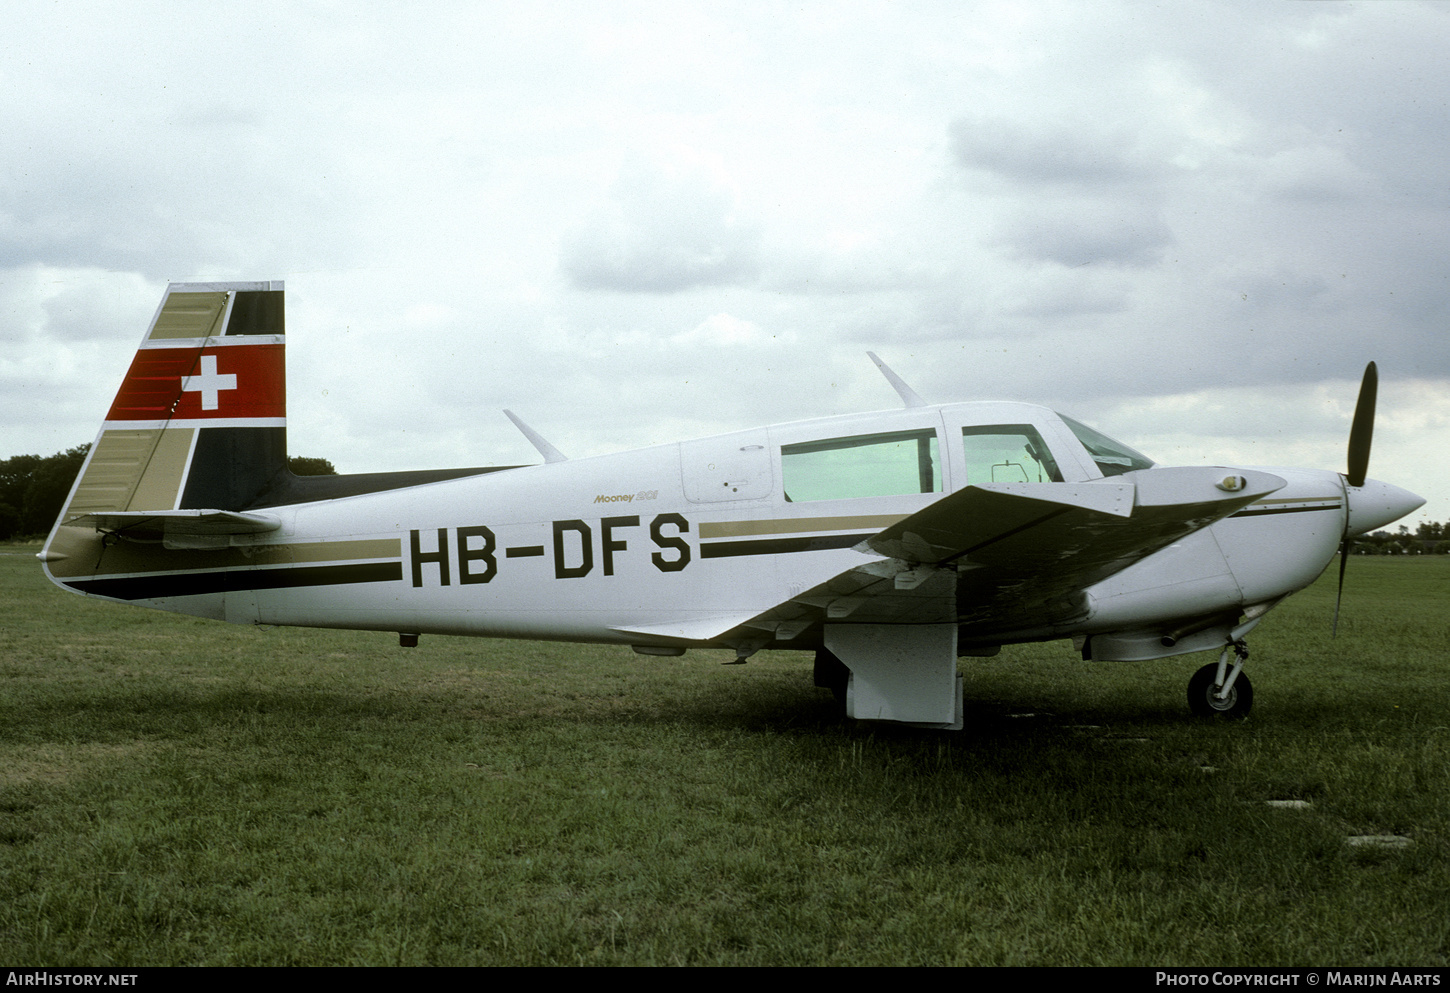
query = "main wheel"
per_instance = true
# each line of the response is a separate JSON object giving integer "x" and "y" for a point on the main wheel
{"x": 832, "y": 674}
{"x": 1203, "y": 696}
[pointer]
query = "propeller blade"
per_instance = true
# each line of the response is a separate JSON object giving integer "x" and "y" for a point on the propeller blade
{"x": 1362, "y": 431}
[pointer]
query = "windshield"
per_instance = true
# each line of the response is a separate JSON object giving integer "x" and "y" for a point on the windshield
{"x": 1113, "y": 457}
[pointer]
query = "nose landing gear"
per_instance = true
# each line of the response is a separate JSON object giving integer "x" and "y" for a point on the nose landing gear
{"x": 1218, "y": 691}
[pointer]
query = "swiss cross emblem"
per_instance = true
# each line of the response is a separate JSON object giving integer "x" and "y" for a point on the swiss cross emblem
{"x": 209, "y": 384}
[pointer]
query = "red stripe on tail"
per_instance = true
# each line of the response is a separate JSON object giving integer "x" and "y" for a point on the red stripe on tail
{"x": 179, "y": 384}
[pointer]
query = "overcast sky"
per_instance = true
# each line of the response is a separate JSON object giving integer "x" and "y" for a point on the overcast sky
{"x": 1189, "y": 224}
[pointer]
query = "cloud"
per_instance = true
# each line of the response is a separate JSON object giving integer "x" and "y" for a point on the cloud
{"x": 41, "y": 304}
{"x": 1079, "y": 231}
{"x": 721, "y": 330}
{"x": 640, "y": 221}
{"x": 66, "y": 336}
{"x": 1035, "y": 153}
{"x": 663, "y": 230}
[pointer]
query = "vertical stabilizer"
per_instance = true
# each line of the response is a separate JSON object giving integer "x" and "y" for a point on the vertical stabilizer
{"x": 197, "y": 431}
{"x": 200, "y": 419}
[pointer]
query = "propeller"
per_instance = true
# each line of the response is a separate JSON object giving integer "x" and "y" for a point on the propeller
{"x": 1363, "y": 428}
{"x": 1361, "y": 433}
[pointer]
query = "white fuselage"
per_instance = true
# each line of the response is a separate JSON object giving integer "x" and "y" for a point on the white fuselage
{"x": 675, "y": 540}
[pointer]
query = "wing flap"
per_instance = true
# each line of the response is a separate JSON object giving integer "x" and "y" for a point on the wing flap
{"x": 695, "y": 629}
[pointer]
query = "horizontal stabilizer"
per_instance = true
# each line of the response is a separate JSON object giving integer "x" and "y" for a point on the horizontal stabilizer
{"x": 180, "y": 528}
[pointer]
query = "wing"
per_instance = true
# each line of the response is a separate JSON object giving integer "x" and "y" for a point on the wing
{"x": 1029, "y": 550}
{"x": 995, "y": 556}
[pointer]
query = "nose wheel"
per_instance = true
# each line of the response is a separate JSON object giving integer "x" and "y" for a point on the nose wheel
{"x": 1221, "y": 690}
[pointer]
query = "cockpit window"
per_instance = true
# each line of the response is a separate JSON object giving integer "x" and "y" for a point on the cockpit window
{"x": 1113, "y": 457}
{"x": 1007, "y": 453}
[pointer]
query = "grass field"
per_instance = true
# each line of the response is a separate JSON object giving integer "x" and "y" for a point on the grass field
{"x": 178, "y": 791}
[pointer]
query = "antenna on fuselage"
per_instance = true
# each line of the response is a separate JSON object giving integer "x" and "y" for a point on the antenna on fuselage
{"x": 908, "y": 396}
{"x": 548, "y": 451}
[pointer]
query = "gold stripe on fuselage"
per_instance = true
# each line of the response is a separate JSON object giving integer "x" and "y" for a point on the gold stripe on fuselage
{"x": 83, "y": 555}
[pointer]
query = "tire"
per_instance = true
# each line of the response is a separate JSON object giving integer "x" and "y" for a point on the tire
{"x": 831, "y": 674}
{"x": 1203, "y": 701}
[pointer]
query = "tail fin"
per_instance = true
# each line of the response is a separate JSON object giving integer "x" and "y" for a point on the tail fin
{"x": 200, "y": 420}
{"x": 197, "y": 432}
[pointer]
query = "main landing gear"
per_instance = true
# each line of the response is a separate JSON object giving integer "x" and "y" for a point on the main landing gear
{"x": 1219, "y": 689}
{"x": 831, "y": 674}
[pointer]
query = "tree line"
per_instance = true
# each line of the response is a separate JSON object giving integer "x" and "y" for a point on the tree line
{"x": 33, "y": 488}
{"x": 1429, "y": 538}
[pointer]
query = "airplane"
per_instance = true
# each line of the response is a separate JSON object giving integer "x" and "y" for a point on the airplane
{"x": 890, "y": 543}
